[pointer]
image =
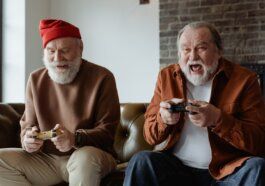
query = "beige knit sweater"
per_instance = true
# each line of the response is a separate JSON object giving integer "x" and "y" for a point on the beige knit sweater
{"x": 89, "y": 103}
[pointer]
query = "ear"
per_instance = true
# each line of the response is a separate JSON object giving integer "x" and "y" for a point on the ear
{"x": 81, "y": 47}
{"x": 219, "y": 52}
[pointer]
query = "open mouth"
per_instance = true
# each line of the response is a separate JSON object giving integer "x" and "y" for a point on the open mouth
{"x": 196, "y": 68}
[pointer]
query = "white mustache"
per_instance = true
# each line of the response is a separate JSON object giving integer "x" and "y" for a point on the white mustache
{"x": 198, "y": 62}
{"x": 61, "y": 63}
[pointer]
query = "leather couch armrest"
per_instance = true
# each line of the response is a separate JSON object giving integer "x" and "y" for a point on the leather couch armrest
{"x": 9, "y": 126}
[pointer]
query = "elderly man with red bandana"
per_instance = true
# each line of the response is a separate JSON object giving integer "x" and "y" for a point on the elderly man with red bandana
{"x": 75, "y": 97}
{"x": 207, "y": 117}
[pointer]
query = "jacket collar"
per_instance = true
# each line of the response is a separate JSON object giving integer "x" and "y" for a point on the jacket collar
{"x": 224, "y": 67}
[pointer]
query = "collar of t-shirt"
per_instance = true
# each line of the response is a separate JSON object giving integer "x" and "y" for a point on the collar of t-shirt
{"x": 201, "y": 92}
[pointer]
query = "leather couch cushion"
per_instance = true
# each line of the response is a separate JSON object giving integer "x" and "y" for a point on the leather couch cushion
{"x": 129, "y": 134}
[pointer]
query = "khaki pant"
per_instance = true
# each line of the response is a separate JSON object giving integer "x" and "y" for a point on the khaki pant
{"x": 86, "y": 166}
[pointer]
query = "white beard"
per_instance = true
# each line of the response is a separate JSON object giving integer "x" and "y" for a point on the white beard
{"x": 65, "y": 76}
{"x": 197, "y": 79}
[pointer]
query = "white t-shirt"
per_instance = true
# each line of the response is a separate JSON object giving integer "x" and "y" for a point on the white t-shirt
{"x": 193, "y": 147}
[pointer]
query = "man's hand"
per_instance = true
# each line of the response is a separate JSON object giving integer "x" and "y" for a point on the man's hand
{"x": 30, "y": 142}
{"x": 204, "y": 114}
{"x": 65, "y": 141}
{"x": 168, "y": 117}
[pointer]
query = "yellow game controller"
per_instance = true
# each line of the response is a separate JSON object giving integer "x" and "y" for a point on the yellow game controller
{"x": 45, "y": 135}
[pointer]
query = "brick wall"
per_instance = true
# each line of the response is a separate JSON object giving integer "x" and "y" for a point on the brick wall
{"x": 240, "y": 22}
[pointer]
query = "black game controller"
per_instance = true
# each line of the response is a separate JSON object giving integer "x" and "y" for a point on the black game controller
{"x": 177, "y": 107}
{"x": 180, "y": 107}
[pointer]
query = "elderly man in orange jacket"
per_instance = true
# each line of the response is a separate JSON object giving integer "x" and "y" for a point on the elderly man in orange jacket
{"x": 208, "y": 117}
{"x": 78, "y": 101}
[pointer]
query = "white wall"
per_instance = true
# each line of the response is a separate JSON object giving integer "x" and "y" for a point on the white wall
{"x": 22, "y": 45}
{"x": 118, "y": 34}
{"x": 35, "y": 11}
{"x": 13, "y": 50}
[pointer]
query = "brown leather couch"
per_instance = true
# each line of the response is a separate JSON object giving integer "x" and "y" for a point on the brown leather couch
{"x": 128, "y": 138}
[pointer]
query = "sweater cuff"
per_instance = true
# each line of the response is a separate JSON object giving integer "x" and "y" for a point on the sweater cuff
{"x": 79, "y": 139}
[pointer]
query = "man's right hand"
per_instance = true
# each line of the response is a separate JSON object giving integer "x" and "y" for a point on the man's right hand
{"x": 169, "y": 118}
{"x": 30, "y": 142}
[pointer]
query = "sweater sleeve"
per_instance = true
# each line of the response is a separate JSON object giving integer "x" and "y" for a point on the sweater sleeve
{"x": 245, "y": 129}
{"x": 29, "y": 117}
{"x": 107, "y": 117}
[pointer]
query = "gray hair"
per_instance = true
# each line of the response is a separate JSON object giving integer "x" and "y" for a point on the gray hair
{"x": 215, "y": 34}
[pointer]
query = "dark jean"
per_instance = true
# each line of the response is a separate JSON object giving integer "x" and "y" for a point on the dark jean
{"x": 160, "y": 168}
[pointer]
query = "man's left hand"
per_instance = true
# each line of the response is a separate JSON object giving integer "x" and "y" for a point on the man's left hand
{"x": 65, "y": 141}
{"x": 203, "y": 114}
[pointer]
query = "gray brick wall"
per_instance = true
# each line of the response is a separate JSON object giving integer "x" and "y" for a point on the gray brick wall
{"x": 240, "y": 22}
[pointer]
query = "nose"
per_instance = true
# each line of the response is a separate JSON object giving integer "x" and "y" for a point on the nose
{"x": 58, "y": 56}
{"x": 193, "y": 55}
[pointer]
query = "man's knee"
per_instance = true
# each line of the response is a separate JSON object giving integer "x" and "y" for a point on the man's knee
{"x": 141, "y": 158}
{"x": 11, "y": 155}
{"x": 90, "y": 158}
{"x": 87, "y": 154}
{"x": 255, "y": 163}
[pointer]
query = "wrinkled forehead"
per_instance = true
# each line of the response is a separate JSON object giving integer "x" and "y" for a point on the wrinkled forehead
{"x": 191, "y": 36}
